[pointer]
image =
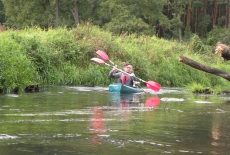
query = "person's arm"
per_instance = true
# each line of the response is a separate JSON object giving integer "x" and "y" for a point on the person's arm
{"x": 113, "y": 74}
{"x": 136, "y": 81}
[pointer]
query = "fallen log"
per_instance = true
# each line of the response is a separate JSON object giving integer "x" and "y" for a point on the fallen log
{"x": 205, "y": 68}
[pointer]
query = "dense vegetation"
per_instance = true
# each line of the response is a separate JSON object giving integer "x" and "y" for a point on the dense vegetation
{"x": 62, "y": 56}
{"x": 163, "y": 18}
{"x": 52, "y": 41}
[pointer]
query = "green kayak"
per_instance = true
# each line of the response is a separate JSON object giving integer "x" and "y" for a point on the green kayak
{"x": 121, "y": 88}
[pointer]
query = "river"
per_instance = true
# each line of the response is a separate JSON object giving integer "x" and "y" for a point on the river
{"x": 67, "y": 120}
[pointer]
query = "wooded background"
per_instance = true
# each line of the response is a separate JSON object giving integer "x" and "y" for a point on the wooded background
{"x": 176, "y": 19}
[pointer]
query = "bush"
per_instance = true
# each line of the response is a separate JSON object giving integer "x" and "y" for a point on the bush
{"x": 218, "y": 34}
{"x": 16, "y": 70}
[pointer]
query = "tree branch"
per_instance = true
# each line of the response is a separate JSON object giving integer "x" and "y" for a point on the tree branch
{"x": 205, "y": 68}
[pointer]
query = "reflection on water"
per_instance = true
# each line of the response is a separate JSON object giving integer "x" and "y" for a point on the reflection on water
{"x": 82, "y": 120}
{"x": 126, "y": 101}
{"x": 97, "y": 125}
{"x": 152, "y": 102}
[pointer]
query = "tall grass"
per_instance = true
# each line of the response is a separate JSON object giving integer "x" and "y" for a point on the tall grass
{"x": 62, "y": 56}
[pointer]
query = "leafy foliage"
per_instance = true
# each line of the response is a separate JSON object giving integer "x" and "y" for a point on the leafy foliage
{"x": 218, "y": 34}
{"x": 2, "y": 13}
{"x": 197, "y": 44}
{"x": 16, "y": 70}
{"x": 62, "y": 56}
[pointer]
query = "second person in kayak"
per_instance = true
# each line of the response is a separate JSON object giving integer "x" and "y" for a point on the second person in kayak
{"x": 128, "y": 79}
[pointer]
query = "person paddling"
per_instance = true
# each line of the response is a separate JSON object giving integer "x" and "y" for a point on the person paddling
{"x": 128, "y": 79}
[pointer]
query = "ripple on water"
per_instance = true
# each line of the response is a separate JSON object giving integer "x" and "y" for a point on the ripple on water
{"x": 203, "y": 102}
{"x": 12, "y": 95}
{"x": 5, "y": 136}
{"x": 89, "y": 88}
{"x": 167, "y": 91}
{"x": 166, "y": 99}
{"x": 67, "y": 135}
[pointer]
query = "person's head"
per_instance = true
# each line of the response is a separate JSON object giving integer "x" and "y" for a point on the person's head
{"x": 128, "y": 67}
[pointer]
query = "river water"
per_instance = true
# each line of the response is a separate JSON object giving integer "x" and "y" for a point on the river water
{"x": 62, "y": 120}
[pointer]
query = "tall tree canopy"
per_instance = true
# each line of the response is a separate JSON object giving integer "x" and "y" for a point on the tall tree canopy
{"x": 165, "y": 18}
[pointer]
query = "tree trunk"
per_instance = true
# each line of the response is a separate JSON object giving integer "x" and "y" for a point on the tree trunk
{"x": 214, "y": 13}
{"x": 195, "y": 23}
{"x": 228, "y": 13}
{"x": 179, "y": 28}
{"x": 205, "y": 68}
{"x": 189, "y": 15}
{"x": 75, "y": 12}
{"x": 57, "y": 13}
{"x": 47, "y": 9}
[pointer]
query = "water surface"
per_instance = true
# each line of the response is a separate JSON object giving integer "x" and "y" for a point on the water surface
{"x": 63, "y": 120}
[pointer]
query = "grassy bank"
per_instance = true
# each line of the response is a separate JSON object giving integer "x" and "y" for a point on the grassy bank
{"x": 62, "y": 57}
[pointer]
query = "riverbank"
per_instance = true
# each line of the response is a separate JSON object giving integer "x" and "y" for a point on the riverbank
{"x": 62, "y": 57}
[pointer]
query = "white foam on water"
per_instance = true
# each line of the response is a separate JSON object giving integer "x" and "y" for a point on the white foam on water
{"x": 5, "y": 136}
{"x": 165, "y": 99}
{"x": 203, "y": 102}
{"x": 12, "y": 95}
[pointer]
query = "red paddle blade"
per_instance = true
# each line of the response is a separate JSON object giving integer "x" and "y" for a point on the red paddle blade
{"x": 153, "y": 85}
{"x": 97, "y": 60}
{"x": 103, "y": 55}
{"x": 153, "y": 102}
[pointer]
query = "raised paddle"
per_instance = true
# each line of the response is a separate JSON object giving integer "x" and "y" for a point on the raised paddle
{"x": 150, "y": 84}
{"x": 104, "y": 56}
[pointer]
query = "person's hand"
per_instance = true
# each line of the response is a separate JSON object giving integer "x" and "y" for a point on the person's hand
{"x": 132, "y": 74}
{"x": 135, "y": 83}
{"x": 114, "y": 68}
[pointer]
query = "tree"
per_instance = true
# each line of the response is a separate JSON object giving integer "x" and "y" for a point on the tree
{"x": 28, "y": 13}
{"x": 75, "y": 12}
{"x": 48, "y": 13}
{"x": 228, "y": 14}
{"x": 132, "y": 16}
{"x": 2, "y": 13}
{"x": 164, "y": 18}
{"x": 57, "y": 12}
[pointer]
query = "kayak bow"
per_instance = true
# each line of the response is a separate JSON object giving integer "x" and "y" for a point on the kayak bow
{"x": 118, "y": 87}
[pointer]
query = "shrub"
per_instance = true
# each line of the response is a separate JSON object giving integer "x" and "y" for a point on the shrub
{"x": 16, "y": 70}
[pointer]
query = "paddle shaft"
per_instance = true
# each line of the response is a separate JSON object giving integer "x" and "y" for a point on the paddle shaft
{"x": 125, "y": 72}
{"x": 141, "y": 88}
{"x": 112, "y": 62}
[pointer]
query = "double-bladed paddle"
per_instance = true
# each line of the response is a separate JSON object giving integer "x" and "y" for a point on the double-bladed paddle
{"x": 102, "y": 62}
{"x": 104, "y": 56}
{"x": 150, "y": 84}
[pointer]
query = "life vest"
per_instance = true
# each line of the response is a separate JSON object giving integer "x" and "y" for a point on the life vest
{"x": 124, "y": 78}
